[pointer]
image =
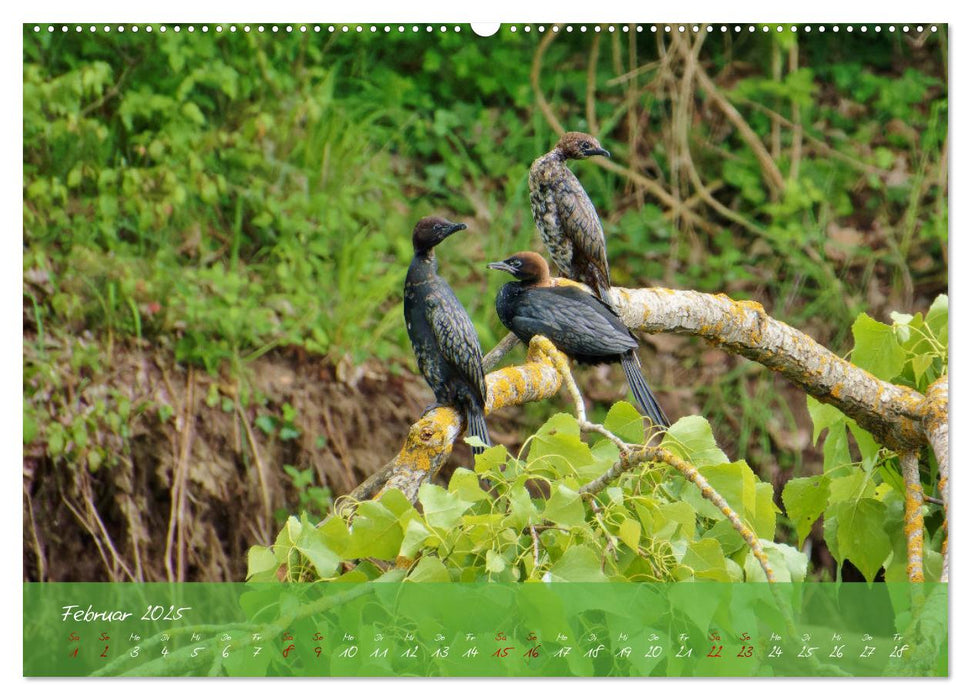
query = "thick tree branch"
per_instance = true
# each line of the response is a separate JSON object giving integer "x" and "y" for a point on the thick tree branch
{"x": 901, "y": 418}
{"x": 892, "y": 413}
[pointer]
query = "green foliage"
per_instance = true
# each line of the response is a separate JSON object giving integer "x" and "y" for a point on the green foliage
{"x": 218, "y": 197}
{"x": 523, "y": 519}
{"x": 313, "y": 501}
{"x": 860, "y": 493}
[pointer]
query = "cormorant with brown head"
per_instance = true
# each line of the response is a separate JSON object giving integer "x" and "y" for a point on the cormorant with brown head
{"x": 442, "y": 336}
{"x": 565, "y": 216}
{"x": 577, "y": 323}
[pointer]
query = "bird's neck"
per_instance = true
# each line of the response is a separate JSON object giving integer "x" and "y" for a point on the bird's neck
{"x": 555, "y": 156}
{"x": 423, "y": 265}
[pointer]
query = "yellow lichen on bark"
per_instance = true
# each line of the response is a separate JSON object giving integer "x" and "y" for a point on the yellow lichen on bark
{"x": 430, "y": 440}
{"x": 913, "y": 517}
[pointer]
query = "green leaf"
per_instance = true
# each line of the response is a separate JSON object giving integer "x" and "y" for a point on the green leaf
{"x": 788, "y": 564}
{"x": 670, "y": 517}
{"x": 706, "y": 559}
{"x": 876, "y": 348}
{"x": 416, "y": 535}
{"x": 869, "y": 448}
{"x": 465, "y": 484}
{"x": 265, "y": 423}
{"x": 850, "y": 488}
{"x": 288, "y": 433}
{"x": 691, "y": 438}
{"x": 735, "y": 482}
{"x": 441, "y": 508}
{"x": 823, "y": 415}
{"x": 558, "y": 445}
{"x": 565, "y": 507}
{"x": 860, "y": 535}
{"x": 494, "y": 562}
{"x": 624, "y": 421}
{"x": 580, "y": 563}
{"x": 375, "y": 532}
{"x": 317, "y": 553}
{"x": 522, "y": 510}
{"x": 429, "y": 569}
{"x": 805, "y": 500}
{"x": 492, "y": 459}
{"x": 397, "y": 503}
{"x": 629, "y": 533}
{"x": 836, "y": 448}
{"x": 936, "y": 319}
{"x": 901, "y": 325}
{"x": 335, "y": 534}
{"x": 261, "y": 560}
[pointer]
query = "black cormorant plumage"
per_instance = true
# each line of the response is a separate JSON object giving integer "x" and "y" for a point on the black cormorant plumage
{"x": 442, "y": 336}
{"x": 577, "y": 323}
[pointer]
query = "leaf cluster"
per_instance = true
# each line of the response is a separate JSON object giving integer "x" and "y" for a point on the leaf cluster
{"x": 522, "y": 518}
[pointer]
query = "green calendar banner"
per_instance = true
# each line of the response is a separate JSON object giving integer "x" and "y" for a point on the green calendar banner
{"x": 409, "y": 629}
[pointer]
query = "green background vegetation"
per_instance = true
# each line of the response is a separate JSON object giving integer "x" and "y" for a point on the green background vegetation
{"x": 216, "y": 201}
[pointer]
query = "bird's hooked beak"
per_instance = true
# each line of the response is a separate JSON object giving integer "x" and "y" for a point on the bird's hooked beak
{"x": 502, "y": 265}
{"x": 598, "y": 152}
{"x": 448, "y": 229}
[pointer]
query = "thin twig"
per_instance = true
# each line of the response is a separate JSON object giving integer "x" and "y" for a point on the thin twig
{"x": 818, "y": 144}
{"x": 769, "y": 167}
{"x": 559, "y": 361}
{"x": 592, "y": 85}
{"x": 532, "y": 532}
{"x": 796, "y": 117}
{"x": 260, "y": 468}
{"x": 534, "y": 74}
{"x": 649, "y": 453}
{"x": 174, "y": 537}
{"x": 494, "y": 356}
{"x": 598, "y": 516}
{"x": 38, "y": 548}
{"x": 109, "y": 93}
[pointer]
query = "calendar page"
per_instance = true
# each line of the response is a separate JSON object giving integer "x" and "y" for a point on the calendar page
{"x": 510, "y": 350}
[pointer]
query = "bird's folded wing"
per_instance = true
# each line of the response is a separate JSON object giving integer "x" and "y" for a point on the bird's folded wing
{"x": 580, "y": 222}
{"x": 575, "y": 326}
{"x": 457, "y": 340}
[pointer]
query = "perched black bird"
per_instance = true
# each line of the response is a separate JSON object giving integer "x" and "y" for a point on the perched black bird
{"x": 577, "y": 323}
{"x": 565, "y": 216}
{"x": 445, "y": 343}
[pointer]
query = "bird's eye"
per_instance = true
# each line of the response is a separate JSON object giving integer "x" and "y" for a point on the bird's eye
{"x": 516, "y": 263}
{"x": 584, "y": 145}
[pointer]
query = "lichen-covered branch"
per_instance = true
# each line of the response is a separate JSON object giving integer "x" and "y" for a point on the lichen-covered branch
{"x": 913, "y": 517}
{"x": 892, "y": 413}
{"x": 935, "y": 425}
{"x": 430, "y": 440}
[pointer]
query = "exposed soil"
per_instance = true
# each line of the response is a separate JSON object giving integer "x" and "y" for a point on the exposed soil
{"x": 189, "y": 495}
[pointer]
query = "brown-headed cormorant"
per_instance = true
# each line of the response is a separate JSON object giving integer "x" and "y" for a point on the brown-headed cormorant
{"x": 565, "y": 216}
{"x": 442, "y": 336}
{"x": 576, "y": 322}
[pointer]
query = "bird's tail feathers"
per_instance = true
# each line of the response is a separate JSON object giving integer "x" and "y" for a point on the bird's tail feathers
{"x": 475, "y": 424}
{"x": 643, "y": 395}
{"x": 601, "y": 287}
